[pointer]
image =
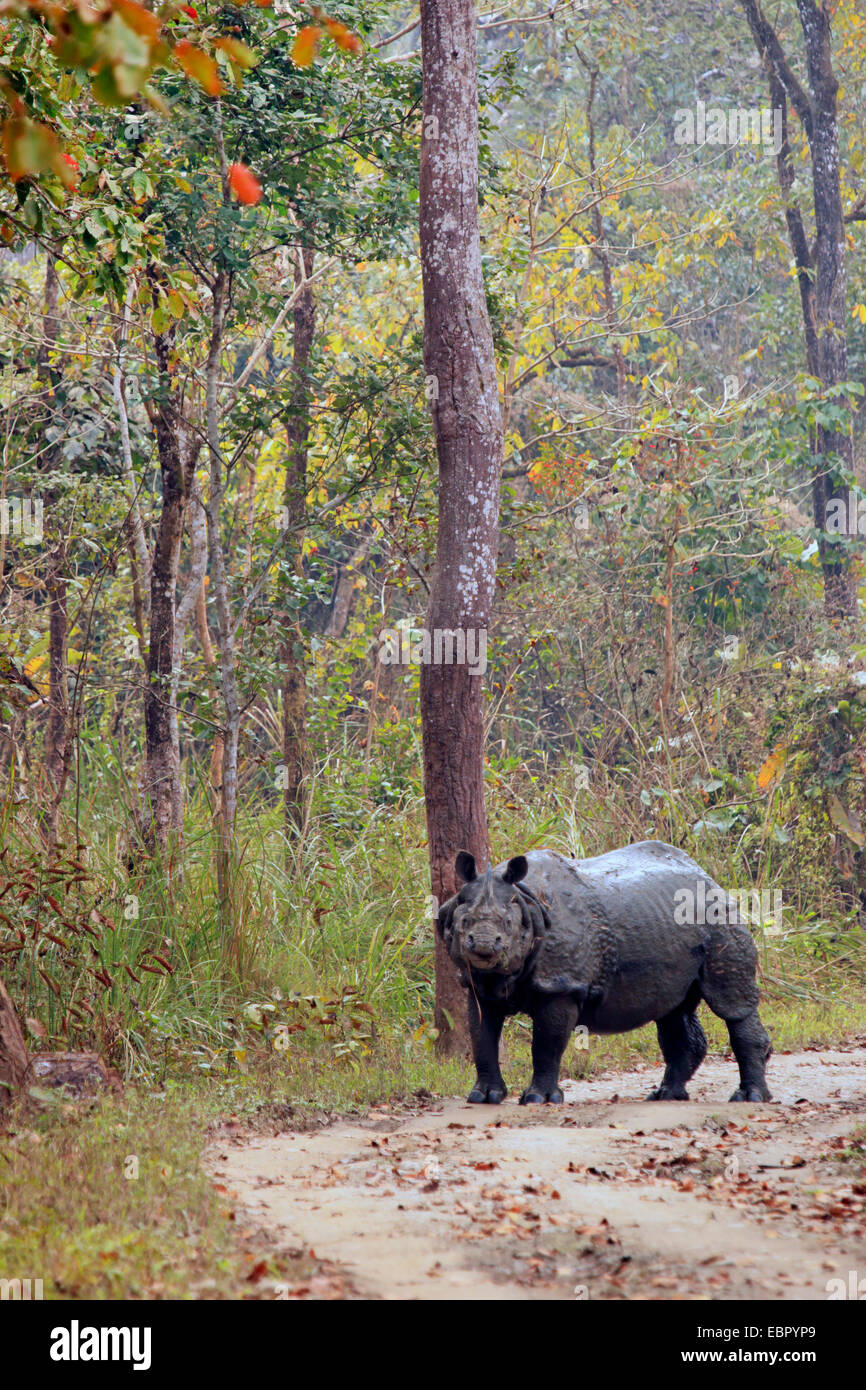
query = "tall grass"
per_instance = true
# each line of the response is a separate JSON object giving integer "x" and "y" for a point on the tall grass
{"x": 335, "y": 935}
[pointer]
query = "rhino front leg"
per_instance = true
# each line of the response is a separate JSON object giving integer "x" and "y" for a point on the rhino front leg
{"x": 553, "y": 1023}
{"x": 485, "y": 1028}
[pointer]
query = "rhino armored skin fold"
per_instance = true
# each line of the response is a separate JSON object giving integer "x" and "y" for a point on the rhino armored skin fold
{"x": 601, "y": 943}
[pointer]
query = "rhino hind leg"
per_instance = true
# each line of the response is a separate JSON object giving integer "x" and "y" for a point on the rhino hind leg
{"x": 752, "y": 1050}
{"x": 684, "y": 1047}
{"x": 730, "y": 988}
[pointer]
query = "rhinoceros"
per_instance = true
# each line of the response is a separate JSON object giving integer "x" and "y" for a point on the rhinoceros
{"x": 610, "y": 943}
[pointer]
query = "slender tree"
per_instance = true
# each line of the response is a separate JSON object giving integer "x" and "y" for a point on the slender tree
{"x": 58, "y": 733}
{"x": 820, "y": 265}
{"x": 294, "y": 515}
{"x": 462, "y": 387}
{"x": 177, "y": 453}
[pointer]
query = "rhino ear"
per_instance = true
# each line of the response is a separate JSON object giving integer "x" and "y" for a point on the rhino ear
{"x": 465, "y": 866}
{"x": 445, "y": 921}
{"x": 516, "y": 869}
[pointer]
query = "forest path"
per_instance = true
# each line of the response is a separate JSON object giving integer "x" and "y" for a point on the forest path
{"x": 605, "y": 1197}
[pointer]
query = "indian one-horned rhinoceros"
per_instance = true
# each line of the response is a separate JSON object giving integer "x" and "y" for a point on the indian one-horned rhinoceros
{"x": 639, "y": 935}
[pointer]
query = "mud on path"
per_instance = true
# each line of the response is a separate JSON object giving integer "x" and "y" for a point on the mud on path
{"x": 606, "y": 1197}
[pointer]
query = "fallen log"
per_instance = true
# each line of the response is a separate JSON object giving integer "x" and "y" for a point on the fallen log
{"x": 78, "y": 1071}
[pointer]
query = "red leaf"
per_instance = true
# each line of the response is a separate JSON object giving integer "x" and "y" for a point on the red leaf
{"x": 244, "y": 184}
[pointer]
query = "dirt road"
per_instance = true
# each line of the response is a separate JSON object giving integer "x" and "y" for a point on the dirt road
{"x": 606, "y": 1197}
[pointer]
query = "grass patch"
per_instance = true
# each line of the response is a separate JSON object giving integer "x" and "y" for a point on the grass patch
{"x": 107, "y": 1199}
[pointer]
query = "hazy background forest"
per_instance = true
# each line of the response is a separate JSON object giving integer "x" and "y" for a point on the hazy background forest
{"x": 663, "y": 660}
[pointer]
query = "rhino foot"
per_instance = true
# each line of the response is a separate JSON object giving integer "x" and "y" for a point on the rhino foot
{"x": 533, "y": 1096}
{"x": 484, "y": 1093}
{"x": 751, "y": 1093}
{"x": 669, "y": 1093}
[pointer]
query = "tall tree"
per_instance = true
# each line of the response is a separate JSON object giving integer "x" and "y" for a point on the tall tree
{"x": 58, "y": 733}
{"x": 177, "y": 454}
{"x": 294, "y": 513}
{"x": 461, "y": 375}
{"x": 820, "y": 264}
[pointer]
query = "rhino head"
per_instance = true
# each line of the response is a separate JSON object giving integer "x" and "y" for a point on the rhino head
{"x": 493, "y": 923}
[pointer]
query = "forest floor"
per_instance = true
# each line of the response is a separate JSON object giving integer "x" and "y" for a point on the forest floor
{"x": 605, "y": 1197}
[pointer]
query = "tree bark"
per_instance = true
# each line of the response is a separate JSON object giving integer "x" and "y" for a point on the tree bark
{"x": 162, "y": 745}
{"x": 294, "y": 692}
{"x": 57, "y": 736}
{"x": 187, "y": 607}
{"x": 201, "y": 627}
{"x": 344, "y": 589}
{"x": 14, "y": 1061}
{"x": 225, "y": 625}
{"x": 462, "y": 387}
{"x": 57, "y": 740}
{"x": 139, "y": 555}
{"x": 821, "y": 270}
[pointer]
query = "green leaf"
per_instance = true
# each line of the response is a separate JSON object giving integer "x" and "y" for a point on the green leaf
{"x": 846, "y": 821}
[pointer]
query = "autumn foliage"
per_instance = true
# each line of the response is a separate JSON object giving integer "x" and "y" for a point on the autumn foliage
{"x": 121, "y": 44}
{"x": 244, "y": 184}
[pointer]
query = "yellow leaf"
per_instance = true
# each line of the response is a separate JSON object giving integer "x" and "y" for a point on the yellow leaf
{"x": 343, "y": 37}
{"x": 137, "y": 18}
{"x": 305, "y": 45}
{"x": 240, "y": 53}
{"x": 772, "y": 767}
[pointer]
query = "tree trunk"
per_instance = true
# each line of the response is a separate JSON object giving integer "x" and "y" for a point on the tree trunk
{"x": 162, "y": 748}
{"x": 201, "y": 627}
{"x": 57, "y": 736}
{"x": 57, "y": 740}
{"x": 821, "y": 269}
{"x": 225, "y": 625}
{"x": 344, "y": 589}
{"x": 294, "y": 694}
{"x": 461, "y": 385}
{"x": 139, "y": 555}
{"x": 14, "y": 1061}
{"x": 186, "y": 609}
{"x": 840, "y": 587}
